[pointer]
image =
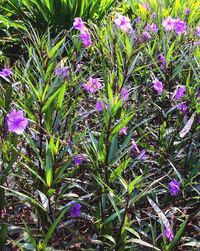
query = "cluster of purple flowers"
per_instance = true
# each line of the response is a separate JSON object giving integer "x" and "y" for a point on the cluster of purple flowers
{"x": 123, "y": 23}
{"x": 62, "y": 71}
{"x": 84, "y": 35}
{"x": 178, "y": 94}
{"x": 150, "y": 28}
{"x": 174, "y": 24}
{"x": 92, "y": 85}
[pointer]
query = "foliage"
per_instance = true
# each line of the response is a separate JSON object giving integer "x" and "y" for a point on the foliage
{"x": 72, "y": 152}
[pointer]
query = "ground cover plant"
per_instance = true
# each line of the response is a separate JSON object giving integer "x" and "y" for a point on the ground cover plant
{"x": 100, "y": 119}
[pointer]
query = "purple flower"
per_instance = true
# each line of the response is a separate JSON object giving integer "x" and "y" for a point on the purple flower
{"x": 197, "y": 43}
{"x": 145, "y": 35}
{"x": 78, "y": 159}
{"x": 182, "y": 107}
{"x": 85, "y": 37}
{"x": 162, "y": 62}
{"x": 79, "y": 24}
{"x": 169, "y": 234}
{"x": 92, "y": 85}
{"x": 99, "y": 106}
{"x": 75, "y": 210}
{"x": 174, "y": 187}
{"x": 146, "y": 6}
{"x": 142, "y": 155}
{"x": 180, "y": 92}
{"x": 187, "y": 11}
{"x": 154, "y": 28}
{"x": 180, "y": 26}
{"x": 168, "y": 23}
{"x": 151, "y": 28}
{"x": 158, "y": 86}
{"x": 153, "y": 15}
{"x": 197, "y": 31}
{"x": 134, "y": 146}
{"x": 138, "y": 19}
{"x": 123, "y": 131}
{"x": 6, "y": 72}
{"x": 61, "y": 71}
{"x": 17, "y": 122}
{"x": 148, "y": 28}
{"x": 68, "y": 141}
{"x": 124, "y": 94}
{"x": 123, "y": 23}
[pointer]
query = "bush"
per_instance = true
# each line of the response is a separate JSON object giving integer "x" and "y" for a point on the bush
{"x": 100, "y": 134}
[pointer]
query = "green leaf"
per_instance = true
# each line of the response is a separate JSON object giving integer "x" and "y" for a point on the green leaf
{"x": 118, "y": 171}
{"x": 171, "y": 49}
{"x": 177, "y": 236}
{"x": 56, "y": 48}
{"x": 122, "y": 124}
{"x": 52, "y": 229}
{"x": 61, "y": 96}
{"x": 110, "y": 238}
{"x": 48, "y": 168}
{"x": 26, "y": 197}
{"x": 133, "y": 183}
{"x": 51, "y": 99}
{"x": 143, "y": 243}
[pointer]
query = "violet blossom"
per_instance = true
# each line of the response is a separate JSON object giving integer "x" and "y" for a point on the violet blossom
{"x": 187, "y": 11}
{"x": 138, "y": 19}
{"x": 169, "y": 234}
{"x": 79, "y": 24}
{"x": 168, "y": 23}
{"x": 134, "y": 146}
{"x": 180, "y": 26}
{"x": 100, "y": 105}
{"x": 182, "y": 107}
{"x": 78, "y": 159}
{"x": 154, "y": 28}
{"x": 123, "y": 131}
{"x": 142, "y": 155}
{"x": 162, "y": 62}
{"x": 145, "y": 35}
{"x": 157, "y": 86}
{"x": 75, "y": 210}
{"x": 62, "y": 71}
{"x": 6, "y": 72}
{"x": 17, "y": 122}
{"x": 92, "y": 85}
{"x": 124, "y": 94}
{"x": 85, "y": 37}
{"x": 179, "y": 93}
{"x": 197, "y": 31}
{"x": 174, "y": 187}
{"x": 123, "y": 23}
